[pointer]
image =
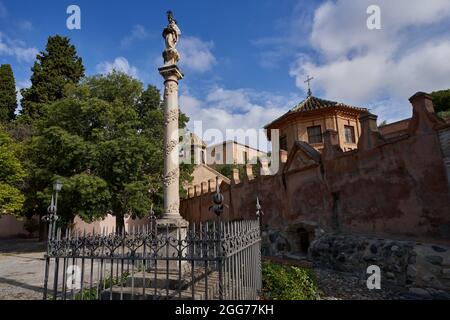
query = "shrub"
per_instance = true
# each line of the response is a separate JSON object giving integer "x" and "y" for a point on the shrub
{"x": 32, "y": 226}
{"x": 288, "y": 283}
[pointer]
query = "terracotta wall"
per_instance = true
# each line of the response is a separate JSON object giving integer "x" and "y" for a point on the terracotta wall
{"x": 10, "y": 226}
{"x": 394, "y": 188}
{"x": 108, "y": 224}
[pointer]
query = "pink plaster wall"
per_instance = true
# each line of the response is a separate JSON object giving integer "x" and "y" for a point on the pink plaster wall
{"x": 10, "y": 227}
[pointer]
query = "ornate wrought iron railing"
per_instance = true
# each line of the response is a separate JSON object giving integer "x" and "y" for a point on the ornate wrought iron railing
{"x": 205, "y": 261}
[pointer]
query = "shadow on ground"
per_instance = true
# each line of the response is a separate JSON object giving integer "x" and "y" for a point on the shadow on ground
{"x": 11, "y": 246}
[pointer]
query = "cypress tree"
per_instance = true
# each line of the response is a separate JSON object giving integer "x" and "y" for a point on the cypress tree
{"x": 56, "y": 67}
{"x": 8, "y": 94}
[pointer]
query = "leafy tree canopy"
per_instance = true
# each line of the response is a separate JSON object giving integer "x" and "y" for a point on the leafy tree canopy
{"x": 441, "y": 101}
{"x": 12, "y": 176}
{"x": 105, "y": 140}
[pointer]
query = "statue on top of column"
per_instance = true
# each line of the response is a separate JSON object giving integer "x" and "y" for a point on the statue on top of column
{"x": 171, "y": 34}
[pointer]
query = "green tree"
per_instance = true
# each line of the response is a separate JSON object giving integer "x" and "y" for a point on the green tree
{"x": 105, "y": 141}
{"x": 12, "y": 176}
{"x": 441, "y": 101}
{"x": 55, "y": 68}
{"x": 8, "y": 94}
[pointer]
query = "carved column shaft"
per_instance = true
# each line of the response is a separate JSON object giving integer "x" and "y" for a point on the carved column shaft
{"x": 171, "y": 76}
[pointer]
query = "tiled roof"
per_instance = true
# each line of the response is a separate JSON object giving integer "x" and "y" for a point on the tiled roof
{"x": 312, "y": 103}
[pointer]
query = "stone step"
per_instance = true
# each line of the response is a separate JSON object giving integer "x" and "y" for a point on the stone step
{"x": 127, "y": 292}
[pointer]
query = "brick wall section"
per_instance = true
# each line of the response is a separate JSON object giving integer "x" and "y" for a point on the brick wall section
{"x": 389, "y": 187}
{"x": 444, "y": 137}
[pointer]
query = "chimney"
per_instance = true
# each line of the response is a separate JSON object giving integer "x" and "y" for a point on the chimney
{"x": 424, "y": 117}
{"x": 198, "y": 190}
{"x": 212, "y": 185}
{"x": 331, "y": 145}
{"x": 370, "y": 136}
{"x": 249, "y": 172}
{"x": 422, "y": 101}
{"x": 265, "y": 171}
{"x": 204, "y": 187}
{"x": 283, "y": 156}
{"x": 236, "y": 179}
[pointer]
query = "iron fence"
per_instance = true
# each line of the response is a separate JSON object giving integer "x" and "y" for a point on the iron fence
{"x": 204, "y": 261}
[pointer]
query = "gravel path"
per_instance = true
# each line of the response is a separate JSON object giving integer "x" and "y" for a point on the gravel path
{"x": 335, "y": 285}
{"x": 21, "y": 269}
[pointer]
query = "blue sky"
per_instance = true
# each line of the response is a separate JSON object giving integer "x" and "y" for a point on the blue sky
{"x": 245, "y": 61}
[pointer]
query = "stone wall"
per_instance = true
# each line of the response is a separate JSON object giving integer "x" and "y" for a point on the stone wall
{"x": 444, "y": 137}
{"x": 402, "y": 263}
{"x": 391, "y": 187}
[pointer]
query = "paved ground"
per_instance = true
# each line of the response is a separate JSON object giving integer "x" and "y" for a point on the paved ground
{"x": 22, "y": 274}
{"x": 21, "y": 269}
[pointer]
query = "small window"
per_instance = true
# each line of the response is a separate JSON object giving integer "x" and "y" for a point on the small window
{"x": 203, "y": 157}
{"x": 315, "y": 134}
{"x": 283, "y": 143}
{"x": 245, "y": 157}
{"x": 350, "y": 134}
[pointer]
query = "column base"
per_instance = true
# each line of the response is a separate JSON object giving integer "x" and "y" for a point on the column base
{"x": 172, "y": 221}
{"x": 174, "y": 230}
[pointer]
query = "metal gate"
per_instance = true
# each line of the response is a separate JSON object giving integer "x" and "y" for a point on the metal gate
{"x": 206, "y": 261}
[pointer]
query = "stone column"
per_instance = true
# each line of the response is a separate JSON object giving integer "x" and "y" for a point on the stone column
{"x": 171, "y": 226}
{"x": 171, "y": 75}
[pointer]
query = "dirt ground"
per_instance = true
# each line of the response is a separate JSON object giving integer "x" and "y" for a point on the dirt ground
{"x": 21, "y": 269}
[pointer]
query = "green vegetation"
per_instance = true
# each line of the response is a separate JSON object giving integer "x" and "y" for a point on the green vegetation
{"x": 91, "y": 293}
{"x": 12, "y": 176}
{"x": 288, "y": 283}
{"x": 227, "y": 170}
{"x": 32, "y": 226}
{"x": 8, "y": 98}
{"x": 104, "y": 140}
{"x": 102, "y": 136}
{"x": 56, "y": 67}
{"x": 441, "y": 101}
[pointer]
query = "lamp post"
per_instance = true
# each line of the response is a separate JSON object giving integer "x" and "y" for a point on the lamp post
{"x": 52, "y": 210}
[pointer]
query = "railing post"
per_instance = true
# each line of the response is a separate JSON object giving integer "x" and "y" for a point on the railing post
{"x": 220, "y": 260}
{"x": 217, "y": 208}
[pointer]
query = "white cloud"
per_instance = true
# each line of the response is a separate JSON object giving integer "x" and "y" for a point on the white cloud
{"x": 21, "y": 85}
{"x": 120, "y": 64}
{"x": 356, "y": 65}
{"x": 196, "y": 55}
{"x": 17, "y": 49}
{"x": 137, "y": 33}
{"x": 225, "y": 109}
